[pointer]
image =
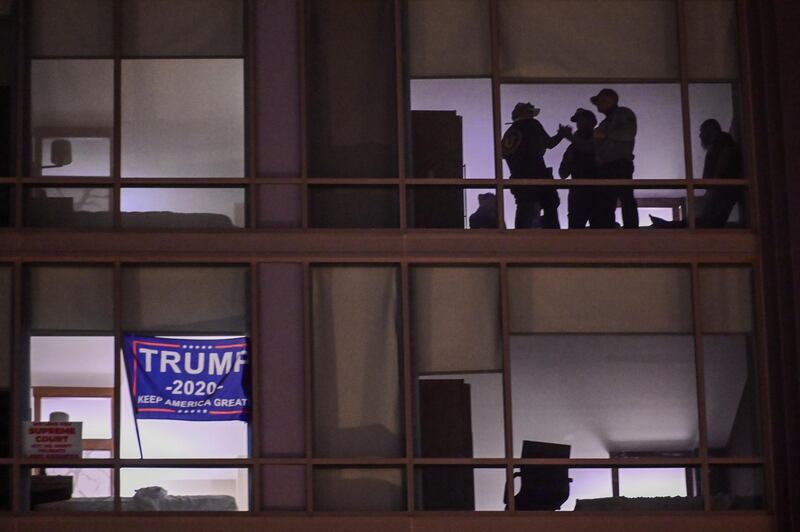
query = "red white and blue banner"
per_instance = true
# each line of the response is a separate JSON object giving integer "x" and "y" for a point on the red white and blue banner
{"x": 188, "y": 379}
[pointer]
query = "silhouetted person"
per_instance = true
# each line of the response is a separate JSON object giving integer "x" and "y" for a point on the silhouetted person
{"x": 585, "y": 203}
{"x": 524, "y": 144}
{"x": 486, "y": 215}
{"x": 615, "y": 138}
{"x": 723, "y": 161}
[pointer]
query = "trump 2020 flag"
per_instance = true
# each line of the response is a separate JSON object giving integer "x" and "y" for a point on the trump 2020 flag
{"x": 188, "y": 380}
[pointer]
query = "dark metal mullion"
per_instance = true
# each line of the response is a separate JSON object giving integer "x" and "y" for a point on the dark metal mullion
{"x": 22, "y": 109}
{"x": 508, "y": 431}
{"x": 408, "y": 383}
{"x": 116, "y": 429}
{"x": 697, "y": 332}
{"x": 116, "y": 167}
{"x": 494, "y": 29}
{"x": 16, "y": 392}
{"x": 400, "y": 113}
{"x": 250, "y": 112}
{"x": 254, "y": 298}
{"x": 302, "y": 76}
{"x": 308, "y": 397}
{"x": 685, "y": 117}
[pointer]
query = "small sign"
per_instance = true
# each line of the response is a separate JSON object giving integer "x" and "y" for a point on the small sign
{"x": 46, "y": 439}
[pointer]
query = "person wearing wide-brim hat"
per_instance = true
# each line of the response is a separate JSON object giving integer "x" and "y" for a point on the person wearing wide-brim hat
{"x": 524, "y": 145}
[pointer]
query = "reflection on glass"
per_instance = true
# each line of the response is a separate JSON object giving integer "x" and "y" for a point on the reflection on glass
{"x": 353, "y": 207}
{"x": 460, "y": 488}
{"x": 184, "y": 489}
{"x": 356, "y": 352}
{"x": 72, "y": 110}
{"x": 736, "y": 488}
{"x": 71, "y": 489}
{"x": 359, "y": 489}
{"x": 183, "y": 118}
{"x": 183, "y": 208}
{"x": 283, "y": 488}
{"x": 75, "y": 207}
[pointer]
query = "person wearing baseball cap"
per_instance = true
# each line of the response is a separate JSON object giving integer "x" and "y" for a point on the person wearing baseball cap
{"x": 524, "y": 145}
{"x": 614, "y": 141}
{"x": 586, "y": 204}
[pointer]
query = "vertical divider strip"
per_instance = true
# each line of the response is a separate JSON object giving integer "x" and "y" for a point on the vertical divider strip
{"x": 251, "y": 114}
{"x": 408, "y": 382}
{"x": 763, "y": 368}
{"x": 116, "y": 166}
{"x": 117, "y": 414}
{"x": 22, "y": 108}
{"x": 697, "y": 332}
{"x": 687, "y": 128}
{"x": 494, "y": 27}
{"x": 254, "y": 296}
{"x": 304, "y": 192}
{"x": 400, "y": 82}
{"x": 309, "y": 383}
{"x": 747, "y": 109}
{"x": 16, "y": 393}
{"x": 507, "y": 404}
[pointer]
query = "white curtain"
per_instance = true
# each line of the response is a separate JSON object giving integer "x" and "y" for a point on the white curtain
{"x": 356, "y": 362}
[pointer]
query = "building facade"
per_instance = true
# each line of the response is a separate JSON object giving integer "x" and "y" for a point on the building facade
{"x": 301, "y": 176}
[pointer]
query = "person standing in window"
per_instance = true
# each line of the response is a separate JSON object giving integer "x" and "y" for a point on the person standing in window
{"x": 524, "y": 145}
{"x": 723, "y": 161}
{"x": 615, "y": 139}
{"x": 585, "y": 203}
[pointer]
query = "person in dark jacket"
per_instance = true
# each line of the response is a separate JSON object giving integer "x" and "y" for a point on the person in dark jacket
{"x": 486, "y": 215}
{"x": 723, "y": 161}
{"x": 615, "y": 139}
{"x": 586, "y": 204}
{"x": 524, "y": 145}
